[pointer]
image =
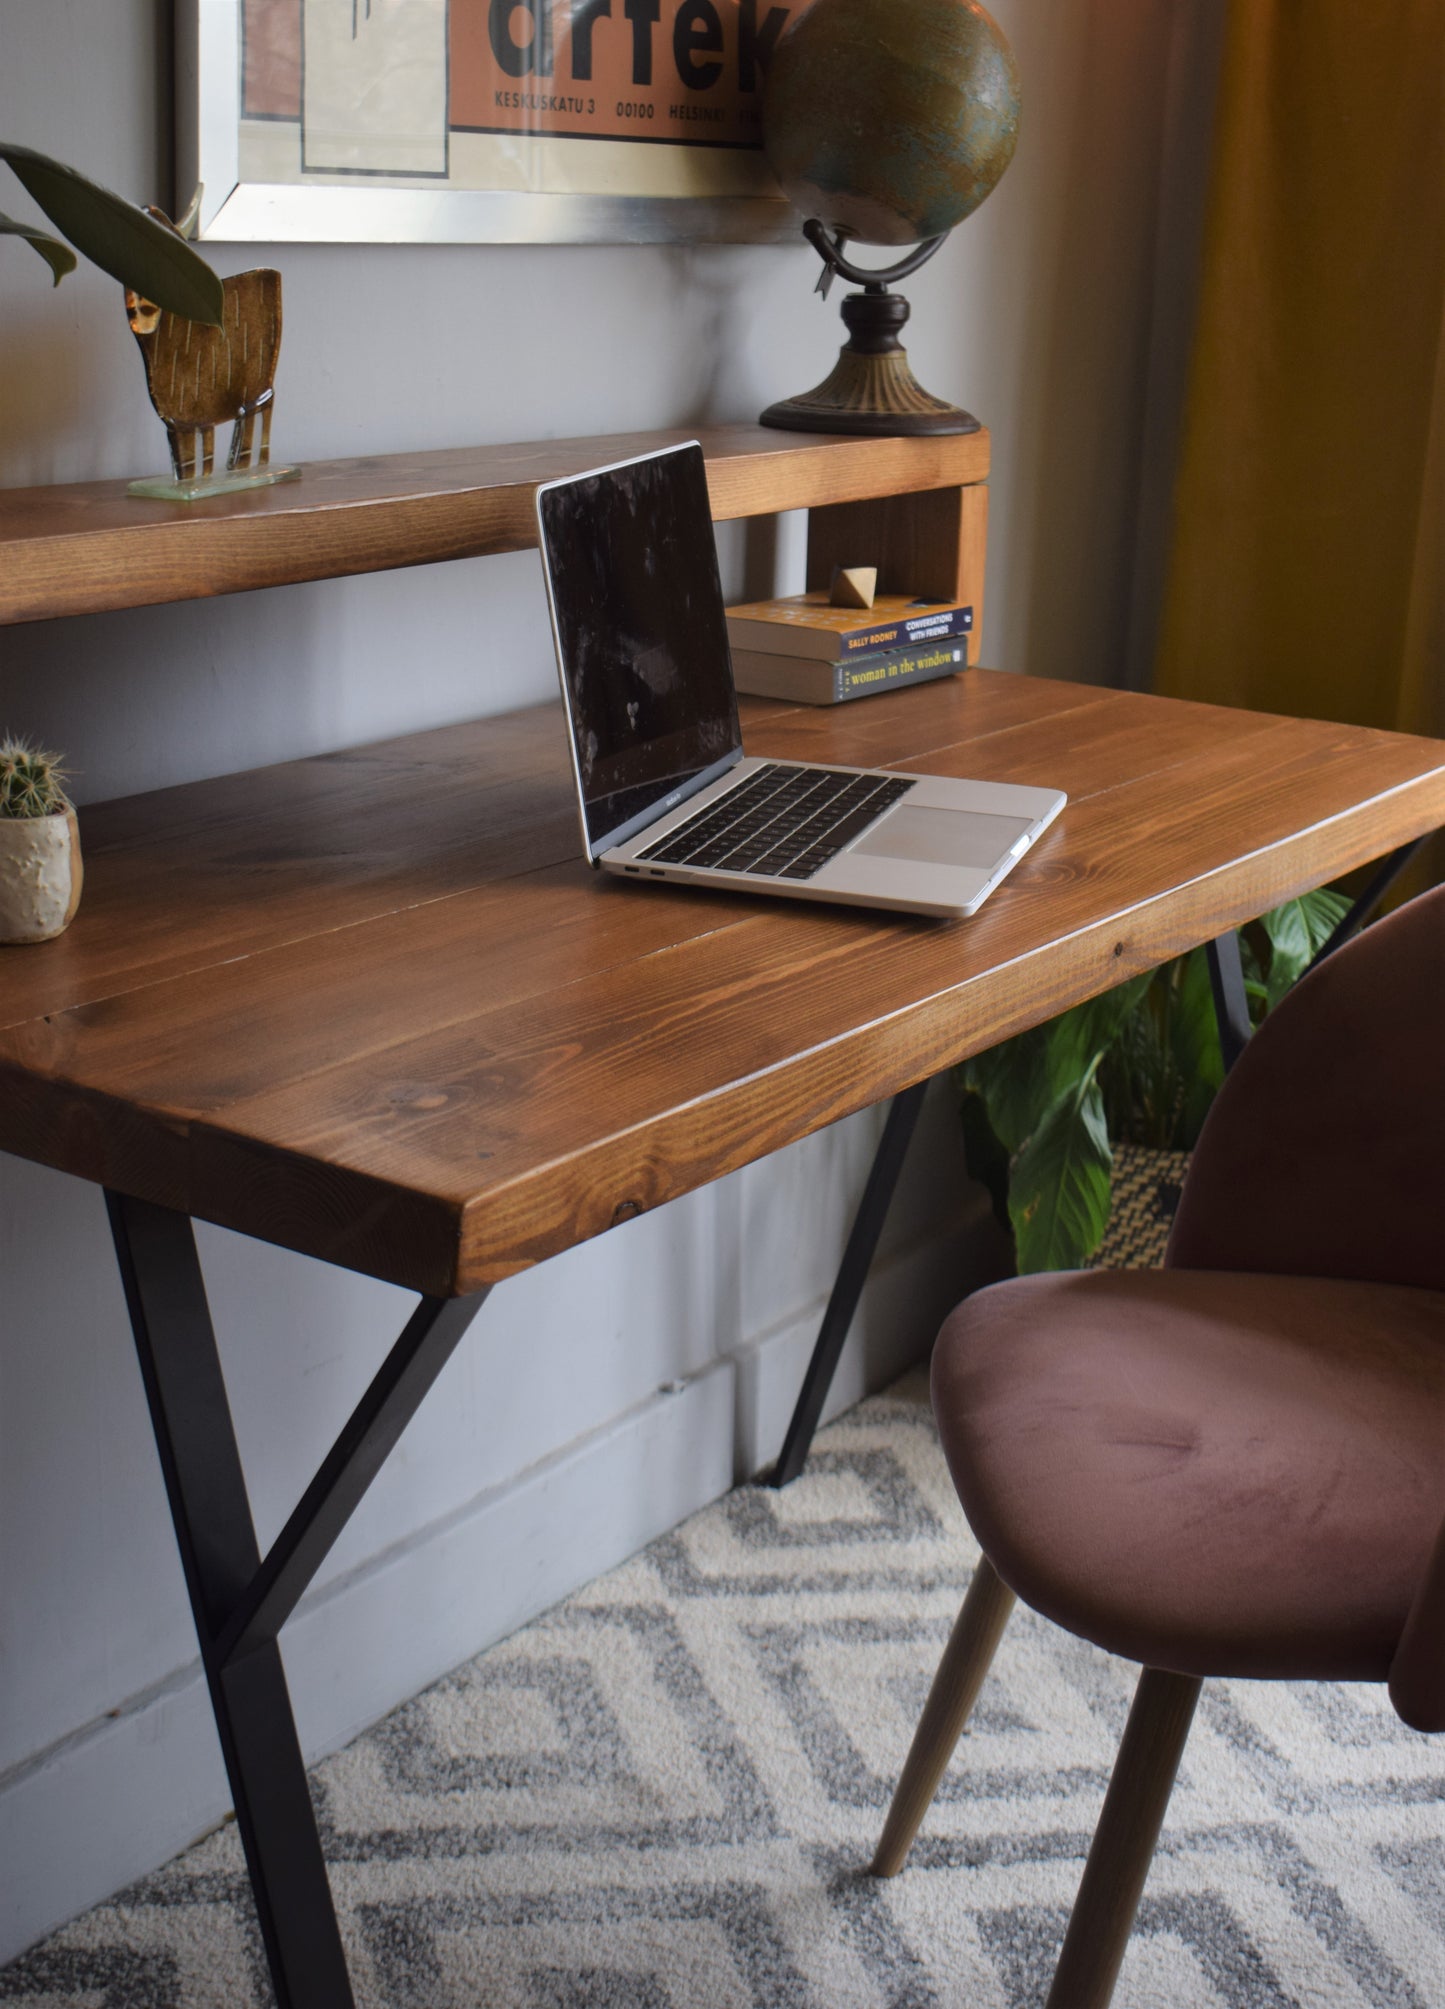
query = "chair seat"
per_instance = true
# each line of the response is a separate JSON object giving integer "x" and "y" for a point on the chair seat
{"x": 1207, "y": 1472}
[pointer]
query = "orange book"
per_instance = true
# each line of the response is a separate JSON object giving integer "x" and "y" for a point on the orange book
{"x": 803, "y": 624}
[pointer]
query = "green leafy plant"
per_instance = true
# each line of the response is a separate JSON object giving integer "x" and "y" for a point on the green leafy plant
{"x": 32, "y": 782}
{"x": 132, "y": 246}
{"x": 1139, "y": 1064}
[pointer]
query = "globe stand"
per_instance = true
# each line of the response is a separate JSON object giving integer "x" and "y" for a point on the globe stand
{"x": 871, "y": 388}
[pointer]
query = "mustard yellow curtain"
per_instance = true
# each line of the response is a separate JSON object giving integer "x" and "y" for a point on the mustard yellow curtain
{"x": 1307, "y": 570}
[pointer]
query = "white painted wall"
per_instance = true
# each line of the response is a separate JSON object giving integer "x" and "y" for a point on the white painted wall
{"x": 520, "y": 1477}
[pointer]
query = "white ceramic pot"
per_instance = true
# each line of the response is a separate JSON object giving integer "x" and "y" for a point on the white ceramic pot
{"x": 40, "y": 876}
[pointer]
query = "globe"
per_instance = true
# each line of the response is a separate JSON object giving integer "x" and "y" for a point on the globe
{"x": 890, "y": 120}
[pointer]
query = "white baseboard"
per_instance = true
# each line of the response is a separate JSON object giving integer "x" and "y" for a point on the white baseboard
{"x": 126, "y": 1793}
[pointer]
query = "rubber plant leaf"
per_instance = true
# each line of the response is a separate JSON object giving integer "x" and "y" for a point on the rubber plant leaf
{"x": 1059, "y": 1191}
{"x": 59, "y": 257}
{"x": 121, "y": 239}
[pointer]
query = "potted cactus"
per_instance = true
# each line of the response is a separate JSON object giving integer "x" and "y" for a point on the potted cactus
{"x": 40, "y": 870}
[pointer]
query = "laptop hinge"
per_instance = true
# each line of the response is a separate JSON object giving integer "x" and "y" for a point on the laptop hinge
{"x": 674, "y": 799}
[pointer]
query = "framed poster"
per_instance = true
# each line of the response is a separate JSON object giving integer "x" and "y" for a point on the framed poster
{"x": 478, "y": 121}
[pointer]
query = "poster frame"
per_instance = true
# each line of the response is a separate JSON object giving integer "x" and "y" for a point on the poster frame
{"x": 208, "y": 151}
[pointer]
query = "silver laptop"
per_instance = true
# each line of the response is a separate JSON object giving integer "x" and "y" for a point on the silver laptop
{"x": 664, "y": 787}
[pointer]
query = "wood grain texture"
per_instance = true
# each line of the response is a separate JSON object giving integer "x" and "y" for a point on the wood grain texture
{"x": 89, "y": 547}
{"x": 374, "y": 1006}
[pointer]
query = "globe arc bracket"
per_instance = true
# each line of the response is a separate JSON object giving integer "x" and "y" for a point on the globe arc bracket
{"x": 830, "y": 249}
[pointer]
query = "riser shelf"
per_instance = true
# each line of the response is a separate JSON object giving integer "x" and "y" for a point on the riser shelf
{"x": 88, "y": 547}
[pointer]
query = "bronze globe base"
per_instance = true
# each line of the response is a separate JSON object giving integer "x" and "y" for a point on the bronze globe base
{"x": 871, "y": 388}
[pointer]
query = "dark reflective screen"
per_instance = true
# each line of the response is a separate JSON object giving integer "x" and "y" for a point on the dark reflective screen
{"x": 639, "y": 611}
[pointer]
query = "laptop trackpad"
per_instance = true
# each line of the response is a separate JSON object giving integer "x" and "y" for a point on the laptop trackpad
{"x": 943, "y": 837}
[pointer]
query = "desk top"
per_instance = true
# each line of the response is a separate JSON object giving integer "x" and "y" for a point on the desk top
{"x": 374, "y": 1007}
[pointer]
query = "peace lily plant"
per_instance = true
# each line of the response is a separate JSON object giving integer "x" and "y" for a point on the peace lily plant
{"x": 1139, "y": 1065}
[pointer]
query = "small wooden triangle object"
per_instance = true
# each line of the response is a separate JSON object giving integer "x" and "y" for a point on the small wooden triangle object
{"x": 853, "y": 586}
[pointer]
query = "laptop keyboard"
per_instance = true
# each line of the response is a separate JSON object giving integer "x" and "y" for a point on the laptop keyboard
{"x": 783, "y": 822}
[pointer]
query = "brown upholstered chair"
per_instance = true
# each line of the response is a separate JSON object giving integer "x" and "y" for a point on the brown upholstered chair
{"x": 1234, "y": 1465}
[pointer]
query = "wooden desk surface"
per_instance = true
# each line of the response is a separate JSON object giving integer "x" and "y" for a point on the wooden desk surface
{"x": 375, "y": 1008}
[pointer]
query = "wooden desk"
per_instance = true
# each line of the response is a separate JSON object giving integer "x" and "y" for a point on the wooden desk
{"x": 373, "y": 1007}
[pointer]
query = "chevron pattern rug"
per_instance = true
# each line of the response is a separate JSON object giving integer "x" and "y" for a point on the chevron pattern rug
{"x": 664, "y": 1793}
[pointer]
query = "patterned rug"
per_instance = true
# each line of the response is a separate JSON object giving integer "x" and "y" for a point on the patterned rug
{"x": 663, "y": 1795}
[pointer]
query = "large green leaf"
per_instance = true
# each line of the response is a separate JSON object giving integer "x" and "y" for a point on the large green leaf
{"x": 59, "y": 257}
{"x": 120, "y": 238}
{"x": 1012, "y": 1080}
{"x": 1059, "y": 1191}
{"x": 1077, "y": 1037}
{"x": 984, "y": 1154}
{"x": 1297, "y": 932}
{"x": 1194, "y": 1043}
{"x": 1020, "y": 1079}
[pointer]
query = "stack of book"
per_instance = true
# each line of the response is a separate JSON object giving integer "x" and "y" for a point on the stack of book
{"x": 802, "y": 649}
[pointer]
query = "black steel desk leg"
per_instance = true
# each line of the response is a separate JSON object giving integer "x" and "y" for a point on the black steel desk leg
{"x": 848, "y": 1285}
{"x": 1231, "y": 1001}
{"x": 207, "y": 1491}
{"x": 239, "y": 1600}
{"x": 1383, "y": 879}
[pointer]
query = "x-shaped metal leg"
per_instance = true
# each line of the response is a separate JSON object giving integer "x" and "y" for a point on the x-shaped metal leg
{"x": 848, "y": 1285}
{"x": 1231, "y": 1000}
{"x": 240, "y": 1600}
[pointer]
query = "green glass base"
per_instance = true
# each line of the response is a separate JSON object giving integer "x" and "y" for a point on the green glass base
{"x": 195, "y": 488}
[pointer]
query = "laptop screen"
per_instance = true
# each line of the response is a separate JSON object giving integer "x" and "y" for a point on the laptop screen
{"x": 641, "y": 635}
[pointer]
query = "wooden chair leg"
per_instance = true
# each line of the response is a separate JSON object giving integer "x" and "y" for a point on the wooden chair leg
{"x": 966, "y": 1660}
{"x": 1123, "y": 1844}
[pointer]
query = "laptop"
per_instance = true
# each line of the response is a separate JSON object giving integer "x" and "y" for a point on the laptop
{"x": 664, "y": 788}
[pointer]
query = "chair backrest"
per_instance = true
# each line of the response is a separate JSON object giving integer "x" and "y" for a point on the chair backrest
{"x": 1324, "y": 1153}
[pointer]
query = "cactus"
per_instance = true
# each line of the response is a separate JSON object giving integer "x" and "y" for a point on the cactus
{"x": 31, "y": 782}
